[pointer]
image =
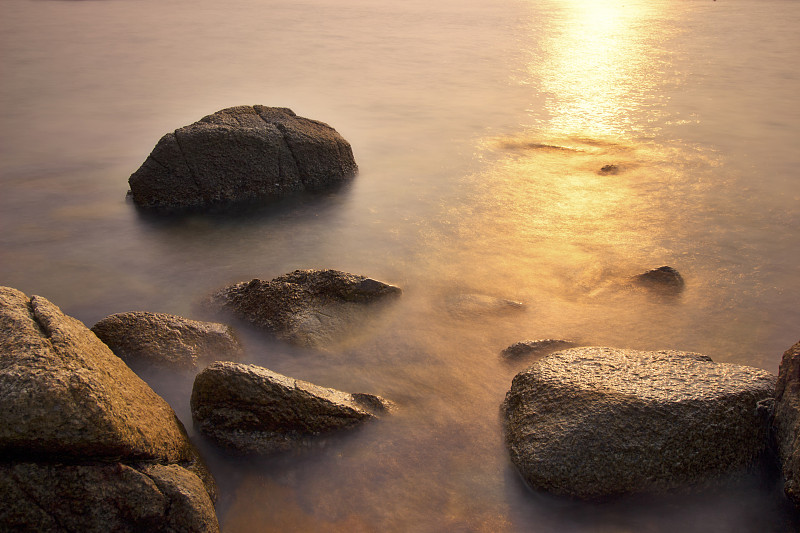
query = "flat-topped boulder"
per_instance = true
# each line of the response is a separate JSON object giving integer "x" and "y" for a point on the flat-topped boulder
{"x": 79, "y": 430}
{"x": 250, "y": 409}
{"x": 167, "y": 341}
{"x": 787, "y": 421}
{"x": 244, "y": 153}
{"x": 306, "y": 307}
{"x": 593, "y": 422}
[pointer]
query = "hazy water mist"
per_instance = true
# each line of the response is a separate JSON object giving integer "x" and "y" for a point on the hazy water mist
{"x": 480, "y": 129}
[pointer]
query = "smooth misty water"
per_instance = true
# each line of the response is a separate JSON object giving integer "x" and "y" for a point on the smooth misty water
{"x": 479, "y": 128}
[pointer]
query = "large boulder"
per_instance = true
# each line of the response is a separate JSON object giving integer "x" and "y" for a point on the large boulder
{"x": 787, "y": 421}
{"x": 242, "y": 153}
{"x": 596, "y": 422}
{"x": 250, "y": 409}
{"x": 72, "y": 410}
{"x": 306, "y": 307}
{"x": 168, "y": 341}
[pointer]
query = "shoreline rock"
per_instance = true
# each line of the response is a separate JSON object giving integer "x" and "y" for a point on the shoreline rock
{"x": 250, "y": 409}
{"x": 535, "y": 348}
{"x": 593, "y": 423}
{"x": 243, "y": 153}
{"x": 786, "y": 421}
{"x": 79, "y": 430}
{"x": 167, "y": 341}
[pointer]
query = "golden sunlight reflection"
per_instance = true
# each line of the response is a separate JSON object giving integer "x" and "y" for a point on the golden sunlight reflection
{"x": 599, "y": 67}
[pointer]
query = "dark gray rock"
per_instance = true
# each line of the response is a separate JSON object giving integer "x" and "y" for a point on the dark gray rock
{"x": 242, "y": 153}
{"x": 595, "y": 422}
{"x": 663, "y": 280}
{"x": 167, "y": 341}
{"x": 609, "y": 169}
{"x": 536, "y": 348}
{"x": 787, "y": 421}
{"x": 70, "y": 409}
{"x": 306, "y": 307}
{"x": 250, "y": 409}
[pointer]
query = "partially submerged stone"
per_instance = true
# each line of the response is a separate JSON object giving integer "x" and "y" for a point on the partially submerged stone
{"x": 85, "y": 444}
{"x": 475, "y": 304}
{"x": 787, "y": 421}
{"x": 243, "y": 153}
{"x": 596, "y": 422}
{"x": 306, "y": 307}
{"x": 664, "y": 280}
{"x": 250, "y": 409}
{"x": 168, "y": 341}
{"x": 536, "y": 348}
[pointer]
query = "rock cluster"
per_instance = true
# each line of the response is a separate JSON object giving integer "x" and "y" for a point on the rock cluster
{"x": 598, "y": 422}
{"x": 167, "y": 341}
{"x": 305, "y": 307}
{"x": 250, "y": 409}
{"x": 85, "y": 444}
{"x": 243, "y": 153}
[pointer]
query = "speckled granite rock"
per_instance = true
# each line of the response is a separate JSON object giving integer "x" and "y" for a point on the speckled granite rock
{"x": 306, "y": 307}
{"x": 242, "y": 153}
{"x": 250, "y": 409}
{"x": 787, "y": 421}
{"x": 168, "y": 341}
{"x": 598, "y": 422}
{"x": 535, "y": 348}
{"x": 71, "y": 410}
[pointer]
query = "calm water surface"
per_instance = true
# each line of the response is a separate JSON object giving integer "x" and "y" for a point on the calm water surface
{"x": 480, "y": 128}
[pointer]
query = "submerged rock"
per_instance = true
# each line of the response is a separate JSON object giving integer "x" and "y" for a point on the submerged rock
{"x": 597, "y": 422}
{"x": 787, "y": 421}
{"x": 167, "y": 340}
{"x": 472, "y": 304}
{"x": 242, "y": 153}
{"x": 536, "y": 348}
{"x": 664, "y": 280}
{"x": 305, "y": 307}
{"x": 250, "y": 409}
{"x": 72, "y": 410}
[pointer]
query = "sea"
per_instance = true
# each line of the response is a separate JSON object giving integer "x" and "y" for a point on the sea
{"x": 482, "y": 129}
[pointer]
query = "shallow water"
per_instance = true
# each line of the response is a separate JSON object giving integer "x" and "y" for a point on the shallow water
{"x": 480, "y": 129}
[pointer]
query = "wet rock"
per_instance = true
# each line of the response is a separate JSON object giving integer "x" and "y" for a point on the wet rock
{"x": 609, "y": 169}
{"x": 250, "y": 409}
{"x": 787, "y": 421}
{"x": 596, "y": 422}
{"x": 242, "y": 153}
{"x": 536, "y": 348}
{"x": 664, "y": 279}
{"x": 306, "y": 307}
{"x": 70, "y": 409}
{"x": 466, "y": 305}
{"x": 167, "y": 341}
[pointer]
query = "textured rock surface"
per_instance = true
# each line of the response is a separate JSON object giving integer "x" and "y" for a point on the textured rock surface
{"x": 466, "y": 305}
{"x": 251, "y": 409}
{"x": 85, "y": 445}
{"x": 664, "y": 280}
{"x": 597, "y": 422}
{"x": 167, "y": 340}
{"x": 787, "y": 421}
{"x": 305, "y": 307}
{"x": 103, "y": 497}
{"x": 242, "y": 153}
{"x": 535, "y": 348}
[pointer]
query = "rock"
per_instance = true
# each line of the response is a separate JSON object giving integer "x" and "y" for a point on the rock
{"x": 242, "y": 153}
{"x": 305, "y": 307}
{"x": 250, "y": 409}
{"x": 596, "y": 422}
{"x": 536, "y": 348}
{"x": 664, "y": 280}
{"x": 465, "y": 305}
{"x": 70, "y": 409}
{"x": 609, "y": 169}
{"x": 103, "y": 497}
{"x": 167, "y": 340}
{"x": 787, "y": 421}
